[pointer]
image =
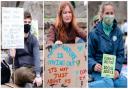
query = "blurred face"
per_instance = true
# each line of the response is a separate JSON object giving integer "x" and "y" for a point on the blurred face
{"x": 67, "y": 15}
{"x": 27, "y": 21}
{"x": 108, "y": 15}
{"x": 108, "y": 10}
{"x": 27, "y": 25}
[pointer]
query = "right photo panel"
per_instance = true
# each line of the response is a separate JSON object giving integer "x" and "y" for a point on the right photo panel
{"x": 107, "y": 45}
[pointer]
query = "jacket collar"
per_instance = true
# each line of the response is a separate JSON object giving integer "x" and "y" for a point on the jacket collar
{"x": 99, "y": 29}
{"x": 28, "y": 38}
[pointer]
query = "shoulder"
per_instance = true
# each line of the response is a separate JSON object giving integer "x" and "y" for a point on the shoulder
{"x": 93, "y": 32}
{"x": 52, "y": 27}
{"x": 33, "y": 38}
{"x": 96, "y": 30}
{"x": 94, "y": 36}
{"x": 118, "y": 31}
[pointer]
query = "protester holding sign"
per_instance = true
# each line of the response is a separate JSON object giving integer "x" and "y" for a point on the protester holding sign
{"x": 106, "y": 39}
{"x": 27, "y": 60}
{"x": 65, "y": 29}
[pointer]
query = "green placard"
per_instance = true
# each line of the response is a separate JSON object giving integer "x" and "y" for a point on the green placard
{"x": 108, "y": 65}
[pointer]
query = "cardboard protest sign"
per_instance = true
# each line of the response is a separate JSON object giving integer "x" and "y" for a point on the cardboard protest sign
{"x": 66, "y": 66}
{"x": 12, "y": 27}
{"x": 108, "y": 65}
{"x": 34, "y": 28}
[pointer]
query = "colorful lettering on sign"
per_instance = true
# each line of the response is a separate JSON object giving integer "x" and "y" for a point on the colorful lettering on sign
{"x": 53, "y": 81}
{"x": 67, "y": 49}
{"x": 108, "y": 70}
{"x": 63, "y": 62}
{"x": 52, "y": 70}
{"x": 69, "y": 52}
{"x": 82, "y": 74}
{"x": 65, "y": 66}
{"x": 80, "y": 48}
{"x": 60, "y": 75}
{"x": 64, "y": 69}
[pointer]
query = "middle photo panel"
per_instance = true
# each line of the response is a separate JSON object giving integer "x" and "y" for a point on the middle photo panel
{"x": 65, "y": 44}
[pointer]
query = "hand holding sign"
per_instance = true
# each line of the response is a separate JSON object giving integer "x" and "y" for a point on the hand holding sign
{"x": 58, "y": 42}
{"x": 116, "y": 74}
{"x": 38, "y": 81}
{"x": 12, "y": 53}
{"x": 98, "y": 67}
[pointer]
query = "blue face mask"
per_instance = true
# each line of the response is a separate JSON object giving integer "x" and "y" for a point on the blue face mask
{"x": 108, "y": 19}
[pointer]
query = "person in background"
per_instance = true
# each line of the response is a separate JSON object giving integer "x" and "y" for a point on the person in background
{"x": 124, "y": 27}
{"x": 95, "y": 20}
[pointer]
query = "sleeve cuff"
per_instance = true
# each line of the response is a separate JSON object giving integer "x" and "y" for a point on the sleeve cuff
{"x": 37, "y": 74}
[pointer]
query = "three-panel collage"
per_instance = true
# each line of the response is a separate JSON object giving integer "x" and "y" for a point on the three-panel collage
{"x": 63, "y": 44}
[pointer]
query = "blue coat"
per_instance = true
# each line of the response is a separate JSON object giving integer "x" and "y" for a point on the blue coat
{"x": 99, "y": 43}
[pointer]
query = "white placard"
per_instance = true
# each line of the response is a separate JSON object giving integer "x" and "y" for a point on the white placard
{"x": 12, "y": 27}
{"x": 34, "y": 28}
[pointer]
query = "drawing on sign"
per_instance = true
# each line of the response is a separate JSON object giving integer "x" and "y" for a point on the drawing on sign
{"x": 65, "y": 66}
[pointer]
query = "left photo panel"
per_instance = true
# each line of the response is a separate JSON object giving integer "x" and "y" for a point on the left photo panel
{"x": 21, "y": 44}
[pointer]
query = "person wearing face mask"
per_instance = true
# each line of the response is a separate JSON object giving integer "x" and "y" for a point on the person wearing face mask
{"x": 27, "y": 60}
{"x": 95, "y": 20}
{"x": 65, "y": 28}
{"x": 106, "y": 38}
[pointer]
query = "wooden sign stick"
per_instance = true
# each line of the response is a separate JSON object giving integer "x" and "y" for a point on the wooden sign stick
{"x": 13, "y": 70}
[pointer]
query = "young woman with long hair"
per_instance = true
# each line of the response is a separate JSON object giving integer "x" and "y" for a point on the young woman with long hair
{"x": 65, "y": 28}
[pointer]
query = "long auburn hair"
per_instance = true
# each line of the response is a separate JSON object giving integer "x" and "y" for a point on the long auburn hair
{"x": 59, "y": 24}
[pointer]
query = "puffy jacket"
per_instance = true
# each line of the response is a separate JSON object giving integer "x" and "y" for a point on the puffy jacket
{"x": 99, "y": 43}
